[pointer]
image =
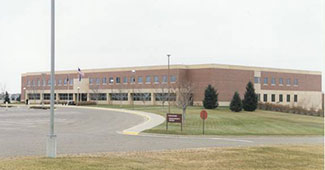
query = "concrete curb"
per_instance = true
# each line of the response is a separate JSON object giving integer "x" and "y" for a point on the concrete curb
{"x": 152, "y": 120}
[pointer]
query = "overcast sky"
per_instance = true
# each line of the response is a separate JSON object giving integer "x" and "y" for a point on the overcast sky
{"x": 118, "y": 33}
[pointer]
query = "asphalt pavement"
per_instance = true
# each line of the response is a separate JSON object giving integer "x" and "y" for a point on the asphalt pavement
{"x": 24, "y": 131}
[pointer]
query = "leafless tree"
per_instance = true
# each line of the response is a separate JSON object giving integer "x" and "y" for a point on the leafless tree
{"x": 185, "y": 91}
{"x": 95, "y": 91}
{"x": 3, "y": 90}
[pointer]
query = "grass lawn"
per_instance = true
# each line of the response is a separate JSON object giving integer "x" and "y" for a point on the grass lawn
{"x": 308, "y": 157}
{"x": 222, "y": 121}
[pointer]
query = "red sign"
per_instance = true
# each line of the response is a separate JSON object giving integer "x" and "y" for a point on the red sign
{"x": 174, "y": 118}
{"x": 204, "y": 115}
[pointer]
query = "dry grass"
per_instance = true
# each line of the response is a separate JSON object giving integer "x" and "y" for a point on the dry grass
{"x": 300, "y": 157}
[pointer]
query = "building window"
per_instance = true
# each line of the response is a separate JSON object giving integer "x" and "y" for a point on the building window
{"x": 28, "y": 82}
{"x": 119, "y": 96}
{"x": 256, "y": 80}
{"x": 125, "y": 80}
{"x": 142, "y": 96}
{"x": 148, "y": 79}
{"x": 44, "y": 83}
{"x": 38, "y": 83}
{"x": 265, "y": 97}
{"x": 258, "y": 97}
{"x": 295, "y": 98}
{"x": 71, "y": 82}
{"x": 65, "y": 82}
{"x": 98, "y": 96}
{"x": 164, "y": 97}
{"x": 140, "y": 80}
{"x": 97, "y": 81}
{"x": 281, "y": 81}
{"x": 49, "y": 82}
{"x": 47, "y": 96}
{"x": 288, "y": 97}
{"x": 118, "y": 80}
{"x": 60, "y": 82}
{"x": 91, "y": 81}
{"x": 104, "y": 80}
{"x": 33, "y": 83}
{"x": 296, "y": 82}
{"x": 266, "y": 80}
{"x": 164, "y": 79}
{"x": 111, "y": 80}
{"x": 288, "y": 82}
{"x": 156, "y": 79}
{"x": 34, "y": 96}
{"x": 273, "y": 81}
{"x": 280, "y": 98}
{"x": 173, "y": 79}
{"x": 64, "y": 96}
{"x": 132, "y": 80}
{"x": 273, "y": 98}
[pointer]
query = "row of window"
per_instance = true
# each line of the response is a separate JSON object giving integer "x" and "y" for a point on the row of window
{"x": 111, "y": 80}
{"x": 280, "y": 99}
{"x": 273, "y": 81}
{"x": 59, "y": 82}
{"x": 139, "y": 80}
{"x": 103, "y": 96}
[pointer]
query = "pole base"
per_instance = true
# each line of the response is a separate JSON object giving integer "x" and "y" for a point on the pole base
{"x": 51, "y": 146}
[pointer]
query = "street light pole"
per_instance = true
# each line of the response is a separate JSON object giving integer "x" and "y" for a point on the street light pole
{"x": 51, "y": 142}
{"x": 168, "y": 55}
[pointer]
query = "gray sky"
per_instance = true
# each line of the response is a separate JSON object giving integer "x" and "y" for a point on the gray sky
{"x": 118, "y": 33}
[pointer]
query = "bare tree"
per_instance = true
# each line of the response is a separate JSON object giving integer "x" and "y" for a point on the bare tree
{"x": 3, "y": 90}
{"x": 95, "y": 92}
{"x": 162, "y": 94}
{"x": 185, "y": 91}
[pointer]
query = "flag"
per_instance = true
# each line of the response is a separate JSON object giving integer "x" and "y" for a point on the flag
{"x": 81, "y": 74}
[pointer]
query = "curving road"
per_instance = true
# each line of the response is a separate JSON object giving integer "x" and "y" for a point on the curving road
{"x": 23, "y": 132}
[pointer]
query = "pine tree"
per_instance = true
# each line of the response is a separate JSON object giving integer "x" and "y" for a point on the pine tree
{"x": 210, "y": 98}
{"x": 250, "y": 98}
{"x": 7, "y": 99}
{"x": 236, "y": 104}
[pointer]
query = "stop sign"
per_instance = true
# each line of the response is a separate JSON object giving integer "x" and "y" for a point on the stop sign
{"x": 204, "y": 115}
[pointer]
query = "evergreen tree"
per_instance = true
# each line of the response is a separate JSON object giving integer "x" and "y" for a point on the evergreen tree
{"x": 210, "y": 98}
{"x": 236, "y": 104}
{"x": 7, "y": 99}
{"x": 250, "y": 98}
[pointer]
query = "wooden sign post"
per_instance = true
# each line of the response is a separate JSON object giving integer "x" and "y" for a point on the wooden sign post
{"x": 174, "y": 118}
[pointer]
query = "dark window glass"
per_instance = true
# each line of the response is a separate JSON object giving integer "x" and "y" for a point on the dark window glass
{"x": 280, "y": 98}
{"x": 265, "y": 97}
{"x": 288, "y": 97}
{"x": 273, "y": 97}
{"x": 295, "y": 98}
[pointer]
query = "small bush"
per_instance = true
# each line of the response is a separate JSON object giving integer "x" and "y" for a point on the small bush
{"x": 86, "y": 103}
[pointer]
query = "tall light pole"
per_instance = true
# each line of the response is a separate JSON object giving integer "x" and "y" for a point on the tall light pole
{"x": 51, "y": 142}
{"x": 168, "y": 55}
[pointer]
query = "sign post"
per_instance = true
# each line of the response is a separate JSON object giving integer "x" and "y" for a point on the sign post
{"x": 174, "y": 118}
{"x": 204, "y": 116}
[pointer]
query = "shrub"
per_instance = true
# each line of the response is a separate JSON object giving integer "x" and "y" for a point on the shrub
{"x": 210, "y": 98}
{"x": 250, "y": 98}
{"x": 86, "y": 103}
{"x": 236, "y": 104}
{"x": 288, "y": 109}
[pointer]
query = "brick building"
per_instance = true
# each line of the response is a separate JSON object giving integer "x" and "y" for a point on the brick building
{"x": 149, "y": 85}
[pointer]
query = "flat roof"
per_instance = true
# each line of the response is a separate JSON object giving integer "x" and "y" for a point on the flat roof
{"x": 195, "y": 66}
